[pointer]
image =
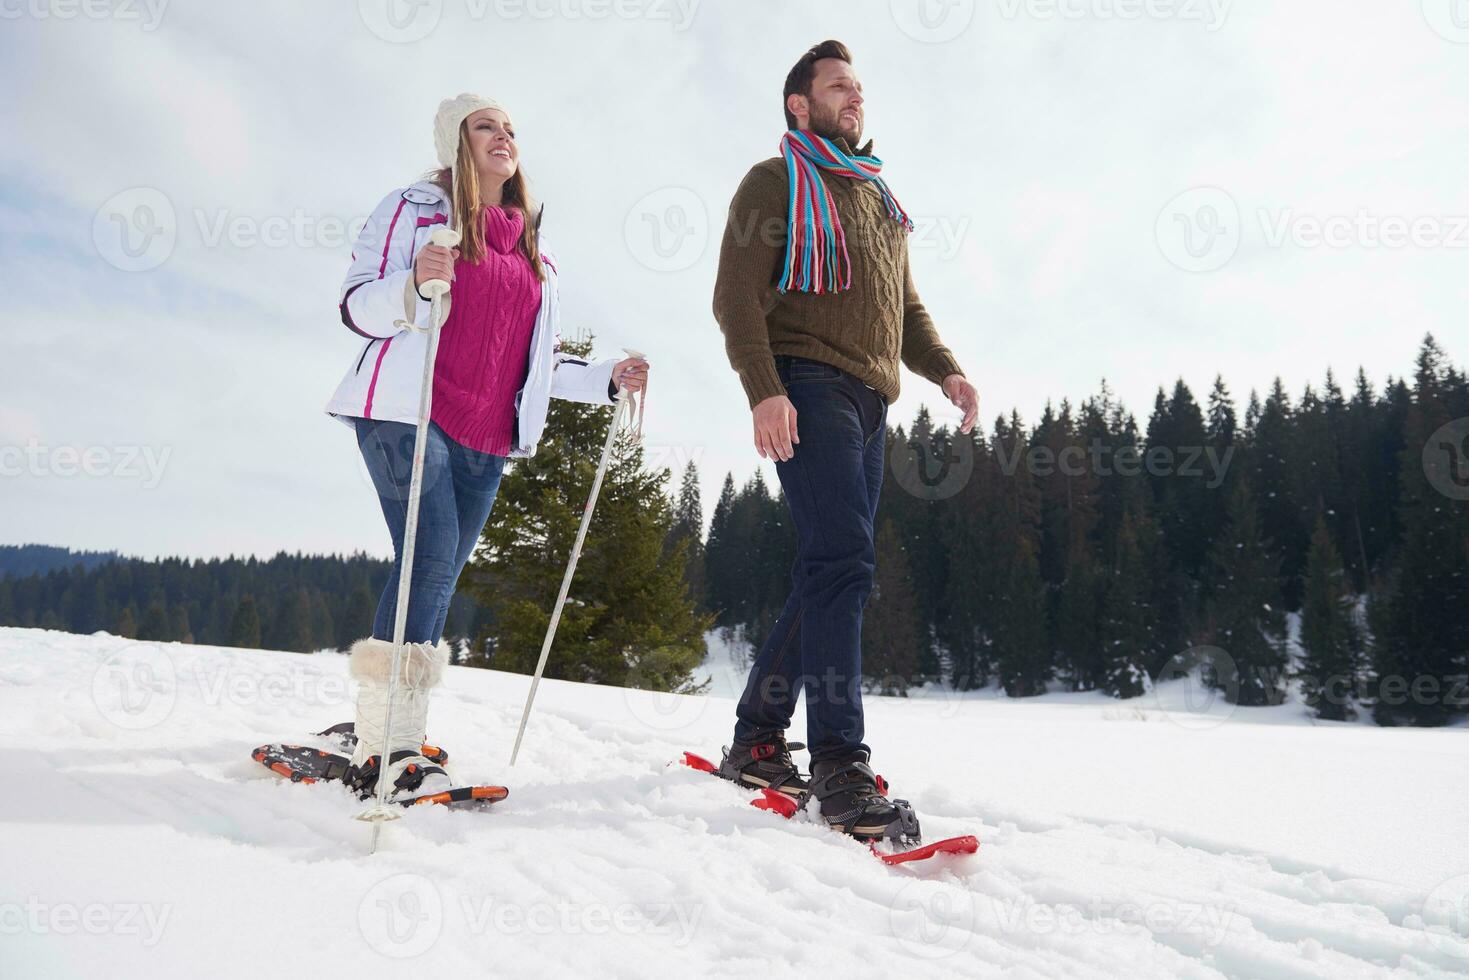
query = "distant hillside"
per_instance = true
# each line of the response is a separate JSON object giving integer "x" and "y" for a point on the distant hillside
{"x": 288, "y": 602}
{"x": 21, "y": 560}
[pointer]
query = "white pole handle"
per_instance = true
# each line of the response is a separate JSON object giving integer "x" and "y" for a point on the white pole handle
{"x": 437, "y": 289}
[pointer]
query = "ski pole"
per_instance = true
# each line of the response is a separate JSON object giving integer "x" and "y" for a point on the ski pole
{"x": 435, "y": 289}
{"x": 581, "y": 534}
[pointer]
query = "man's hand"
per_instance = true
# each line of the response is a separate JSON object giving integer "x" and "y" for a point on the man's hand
{"x": 775, "y": 428}
{"x": 958, "y": 390}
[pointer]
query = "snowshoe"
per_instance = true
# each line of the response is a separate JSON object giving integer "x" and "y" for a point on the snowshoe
{"x": 313, "y": 764}
{"x": 853, "y": 800}
{"x": 344, "y": 736}
{"x": 765, "y": 764}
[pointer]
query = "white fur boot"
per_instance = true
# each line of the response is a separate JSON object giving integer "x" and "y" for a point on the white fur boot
{"x": 422, "y": 667}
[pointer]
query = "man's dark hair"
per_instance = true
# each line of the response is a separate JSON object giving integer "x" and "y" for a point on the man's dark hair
{"x": 798, "y": 82}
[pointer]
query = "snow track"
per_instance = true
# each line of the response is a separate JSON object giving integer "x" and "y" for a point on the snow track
{"x": 139, "y": 838}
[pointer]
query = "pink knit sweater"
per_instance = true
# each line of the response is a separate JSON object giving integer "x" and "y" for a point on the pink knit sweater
{"x": 484, "y": 346}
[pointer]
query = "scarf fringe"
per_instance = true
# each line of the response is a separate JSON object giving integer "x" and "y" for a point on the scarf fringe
{"x": 816, "y": 258}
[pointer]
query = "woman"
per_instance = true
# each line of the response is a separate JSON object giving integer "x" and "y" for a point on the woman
{"x": 497, "y": 368}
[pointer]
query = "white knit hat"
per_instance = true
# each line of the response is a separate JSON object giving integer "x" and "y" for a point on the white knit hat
{"x": 452, "y": 112}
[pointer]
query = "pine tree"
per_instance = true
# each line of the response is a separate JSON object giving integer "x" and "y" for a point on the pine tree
{"x": 719, "y": 558}
{"x": 1245, "y": 611}
{"x": 1068, "y": 563}
{"x": 356, "y": 624}
{"x": 890, "y": 627}
{"x": 757, "y": 561}
{"x": 323, "y": 629}
{"x": 1176, "y": 438}
{"x": 1421, "y": 627}
{"x": 1128, "y": 632}
{"x": 968, "y": 533}
{"x": 1329, "y": 641}
{"x": 178, "y": 627}
{"x": 923, "y": 461}
{"x": 628, "y": 619}
{"x": 291, "y": 626}
{"x": 1277, "y": 492}
{"x": 689, "y": 527}
{"x": 1017, "y": 598}
{"x": 1221, "y": 435}
{"x": 155, "y": 624}
{"x": 245, "y": 627}
{"x": 127, "y": 622}
{"x": 1078, "y": 618}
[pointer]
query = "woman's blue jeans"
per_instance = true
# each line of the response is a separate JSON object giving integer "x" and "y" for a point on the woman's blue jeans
{"x": 832, "y": 485}
{"x": 459, "y": 486}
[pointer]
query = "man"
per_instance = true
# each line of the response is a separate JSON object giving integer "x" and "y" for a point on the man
{"x": 817, "y": 307}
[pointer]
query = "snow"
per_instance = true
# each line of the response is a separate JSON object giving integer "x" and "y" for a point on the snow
{"x": 1118, "y": 839}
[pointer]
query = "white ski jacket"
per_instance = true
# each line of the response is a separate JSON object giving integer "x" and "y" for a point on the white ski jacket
{"x": 386, "y": 374}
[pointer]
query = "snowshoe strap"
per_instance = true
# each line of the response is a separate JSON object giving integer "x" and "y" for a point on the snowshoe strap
{"x": 842, "y": 780}
{"x": 413, "y": 774}
{"x": 904, "y": 830}
{"x": 856, "y": 778}
{"x": 363, "y": 778}
{"x": 346, "y": 733}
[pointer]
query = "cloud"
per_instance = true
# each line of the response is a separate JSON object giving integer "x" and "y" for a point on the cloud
{"x": 1044, "y": 140}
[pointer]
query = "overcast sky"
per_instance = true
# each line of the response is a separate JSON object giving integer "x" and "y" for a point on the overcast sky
{"x": 1137, "y": 189}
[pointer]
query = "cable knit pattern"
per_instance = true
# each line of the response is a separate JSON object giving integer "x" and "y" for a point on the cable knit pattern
{"x": 484, "y": 346}
{"x": 865, "y": 330}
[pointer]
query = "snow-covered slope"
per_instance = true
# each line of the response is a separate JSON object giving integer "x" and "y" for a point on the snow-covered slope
{"x": 137, "y": 838}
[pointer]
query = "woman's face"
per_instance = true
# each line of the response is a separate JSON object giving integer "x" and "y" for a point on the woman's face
{"x": 492, "y": 144}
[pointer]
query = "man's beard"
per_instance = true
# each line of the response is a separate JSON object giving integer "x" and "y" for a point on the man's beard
{"x": 827, "y": 123}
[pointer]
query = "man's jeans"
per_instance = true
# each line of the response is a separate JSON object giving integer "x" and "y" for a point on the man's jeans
{"x": 459, "y": 486}
{"x": 831, "y": 485}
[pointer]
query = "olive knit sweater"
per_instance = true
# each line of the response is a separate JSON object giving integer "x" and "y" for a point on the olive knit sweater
{"x": 863, "y": 330}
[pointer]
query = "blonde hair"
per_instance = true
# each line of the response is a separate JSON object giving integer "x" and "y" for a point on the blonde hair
{"x": 468, "y": 210}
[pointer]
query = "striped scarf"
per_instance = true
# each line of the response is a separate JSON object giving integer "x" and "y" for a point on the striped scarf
{"x": 816, "y": 259}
